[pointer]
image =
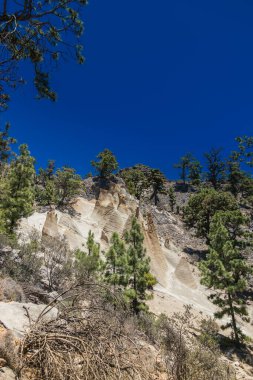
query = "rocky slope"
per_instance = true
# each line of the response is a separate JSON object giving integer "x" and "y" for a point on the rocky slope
{"x": 173, "y": 251}
{"x": 170, "y": 246}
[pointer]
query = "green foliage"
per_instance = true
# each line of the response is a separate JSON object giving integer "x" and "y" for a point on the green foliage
{"x": 5, "y": 146}
{"x": 215, "y": 167}
{"x": 172, "y": 198}
{"x": 202, "y": 207}
{"x": 140, "y": 279}
{"x": 116, "y": 264}
{"x": 225, "y": 271}
{"x": 88, "y": 264}
{"x": 19, "y": 194}
{"x": 247, "y": 188}
{"x": 3, "y": 226}
{"x": 184, "y": 165}
{"x": 47, "y": 195}
{"x": 127, "y": 268}
{"x": 240, "y": 183}
{"x": 157, "y": 181}
{"x": 209, "y": 331}
{"x": 25, "y": 264}
{"x": 57, "y": 187}
{"x": 136, "y": 179}
{"x": 235, "y": 177}
{"x": 235, "y": 223}
{"x": 195, "y": 172}
{"x": 141, "y": 178}
{"x": 106, "y": 164}
{"x": 68, "y": 184}
{"x": 46, "y": 192}
{"x": 40, "y": 32}
{"x": 46, "y": 174}
{"x": 245, "y": 145}
{"x": 230, "y": 175}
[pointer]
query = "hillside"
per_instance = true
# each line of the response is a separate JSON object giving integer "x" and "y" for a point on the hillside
{"x": 126, "y": 190}
{"x": 173, "y": 249}
{"x": 165, "y": 237}
{"x": 39, "y": 269}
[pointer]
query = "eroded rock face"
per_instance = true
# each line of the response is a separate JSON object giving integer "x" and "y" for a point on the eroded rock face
{"x": 107, "y": 210}
{"x": 111, "y": 211}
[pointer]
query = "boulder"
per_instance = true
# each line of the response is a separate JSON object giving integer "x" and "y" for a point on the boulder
{"x": 13, "y": 316}
{"x": 7, "y": 374}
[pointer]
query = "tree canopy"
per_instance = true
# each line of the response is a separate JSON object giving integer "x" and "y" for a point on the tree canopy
{"x": 41, "y": 32}
{"x": 215, "y": 167}
{"x": 19, "y": 192}
{"x": 202, "y": 207}
{"x": 106, "y": 163}
{"x": 225, "y": 271}
{"x": 140, "y": 280}
{"x": 136, "y": 179}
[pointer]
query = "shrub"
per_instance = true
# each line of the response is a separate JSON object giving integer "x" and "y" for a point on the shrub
{"x": 187, "y": 357}
{"x": 9, "y": 350}
{"x": 21, "y": 261}
{"x": 11, "y": 291}
{"x": 57, "y": 262}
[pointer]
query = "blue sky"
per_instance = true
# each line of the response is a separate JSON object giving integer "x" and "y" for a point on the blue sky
{"x": 160, "y": 79}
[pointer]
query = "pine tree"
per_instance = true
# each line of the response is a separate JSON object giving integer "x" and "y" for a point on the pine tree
{"x": 115, "y": 266}
{"x": 48, "y": 195}
{"x": 240, "y": 182}
{"x": 247, "y": 186}
{"x": 215, "y": 167}
{"x": 195, "y": 172}
{"x": 136, "y": 179}
{"x": 68, "y": 184}
{"x": 236, "y": 224}
{"x": 172, "y": 198}
{"x": 3, "y": 226}
{"x": 235, "y": 177}
{"x": 19, "y": 196}
{"x": 5, "y": 146}
{"x": 46, "y": 174}
{"x": 93, "y": 247}
{"x": 225, "y": 271}
{"x": 40, "y": 32}
{"x": 46, "y": 191}
{"x": 106, "y": 164}
{"x": 140, "y": 280}
{"x": 157, "y": 181}
{"x": 245, "y": 145}
{"x": 88, "y": 263}
{"x": 202, "y": 206}
{"x": 184, "y": 165}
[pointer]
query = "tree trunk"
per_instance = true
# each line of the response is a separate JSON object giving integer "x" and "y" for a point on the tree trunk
{"x": 237, "y": 340}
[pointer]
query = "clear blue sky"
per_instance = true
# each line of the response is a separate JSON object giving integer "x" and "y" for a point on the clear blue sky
{"x": 161, "y": 78}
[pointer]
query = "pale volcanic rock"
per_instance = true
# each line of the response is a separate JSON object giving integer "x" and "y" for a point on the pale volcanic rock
{"x": 105, "y": 210}
{"x": 13, "y": 316}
